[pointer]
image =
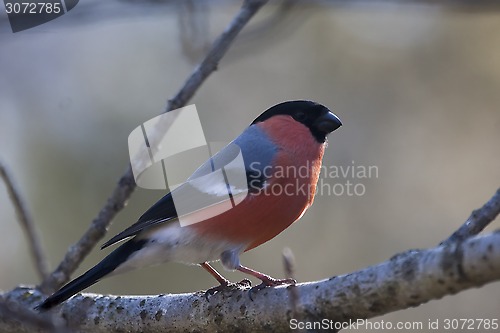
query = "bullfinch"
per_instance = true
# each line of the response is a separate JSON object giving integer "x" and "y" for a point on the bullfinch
{"x": 287, "y": 137}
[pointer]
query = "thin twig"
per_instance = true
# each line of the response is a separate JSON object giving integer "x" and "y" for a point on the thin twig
{"x": 217, "y": 51}
{"x": 477, "y": 221}
{"x": 193, "y": 28}
{"x": 126, "y": 184}
{"x": 26, "y": 222}
{"x": 289, "y": 263}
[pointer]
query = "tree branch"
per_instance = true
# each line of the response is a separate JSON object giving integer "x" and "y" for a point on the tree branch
{"x": 217, "y": 51}
{"x": 406, "y": 280}
{"x": 478, "y": 220}
{"x": 15, "y": 315}
{"x": 289, "y": 265}
{"x": 26, "y": 222}
{"x": 126, "y": 184}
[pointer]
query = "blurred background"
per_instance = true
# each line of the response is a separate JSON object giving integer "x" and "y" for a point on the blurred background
{"x": 416, "y": 86}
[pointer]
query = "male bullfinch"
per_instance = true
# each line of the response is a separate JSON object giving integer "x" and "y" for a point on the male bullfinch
{"x": 287, "y": 137}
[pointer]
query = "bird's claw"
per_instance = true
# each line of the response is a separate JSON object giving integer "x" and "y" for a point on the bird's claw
{"x": 270, "y": 282}
{"x": 228, "y": 286}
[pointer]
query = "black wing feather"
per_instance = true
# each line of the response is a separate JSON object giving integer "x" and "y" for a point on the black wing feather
{"x": 164, "y": 210}
{"x": 160, "y": 212}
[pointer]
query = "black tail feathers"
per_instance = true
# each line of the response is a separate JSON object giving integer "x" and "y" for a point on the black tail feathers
{"x": 93, "y": 275}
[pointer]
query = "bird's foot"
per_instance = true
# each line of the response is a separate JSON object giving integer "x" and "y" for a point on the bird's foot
{"x": 268, "y": 281}
{"x": 228, "y": 286}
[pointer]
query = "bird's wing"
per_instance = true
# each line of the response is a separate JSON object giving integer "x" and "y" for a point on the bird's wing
{"x": 204, "y": 184}
{"x": 161, "y": 212}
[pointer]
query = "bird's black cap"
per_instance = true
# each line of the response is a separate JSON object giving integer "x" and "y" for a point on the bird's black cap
{"x": 318, "y": 118}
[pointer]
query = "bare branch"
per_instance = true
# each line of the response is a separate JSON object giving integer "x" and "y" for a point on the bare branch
{"x": 126, "y": 185}
{"x": 77, "y": 252}
{"x": 289, "y": 263}
{"x": 478, "y": 220}
{"x": 217, "y": 51}
{"x": 26, "y": 222}
{"x": 406, "y": 280}
{"x": 17, "y": 315}
{"x": 193, "y": 28}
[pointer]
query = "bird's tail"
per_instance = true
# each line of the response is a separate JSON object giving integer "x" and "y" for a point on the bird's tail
{"x": 93, "y": 275}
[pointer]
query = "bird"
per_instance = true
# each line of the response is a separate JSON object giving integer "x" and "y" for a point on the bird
{"x": 287, "y": 137}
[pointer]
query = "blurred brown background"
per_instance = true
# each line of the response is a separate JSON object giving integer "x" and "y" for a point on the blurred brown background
{"x": 417, "y": 88}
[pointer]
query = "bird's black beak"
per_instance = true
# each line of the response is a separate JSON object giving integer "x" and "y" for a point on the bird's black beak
{"x": 327, "y": 123}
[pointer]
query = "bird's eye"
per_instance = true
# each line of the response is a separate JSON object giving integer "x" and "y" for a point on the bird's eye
{"x": 300, "y": 116}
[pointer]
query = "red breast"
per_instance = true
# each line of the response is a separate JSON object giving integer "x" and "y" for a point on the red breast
{"x": 289, "y": 191}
